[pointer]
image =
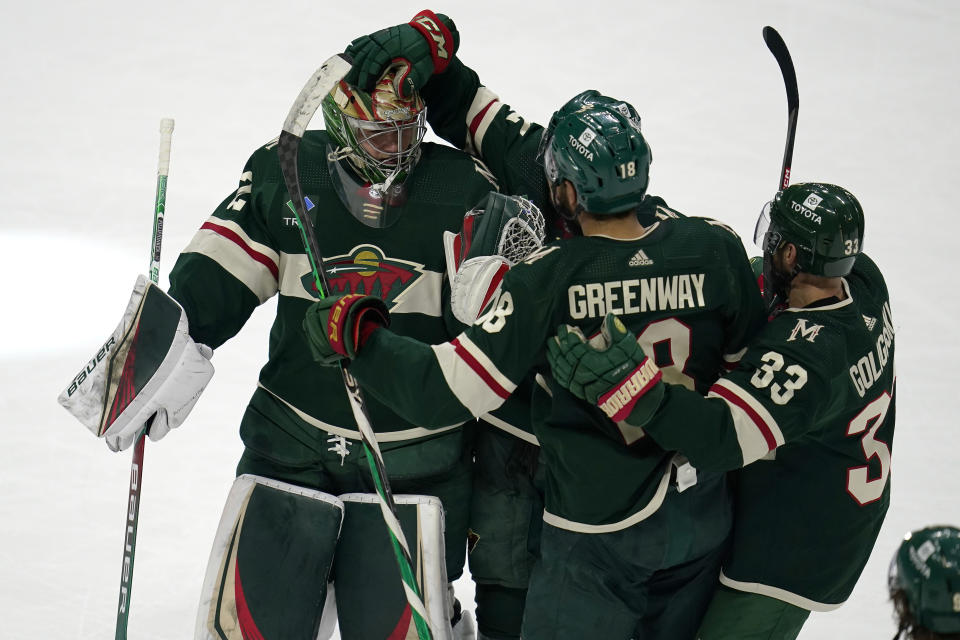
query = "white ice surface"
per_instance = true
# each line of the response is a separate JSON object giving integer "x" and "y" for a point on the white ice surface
{"x": 84, "y": 86}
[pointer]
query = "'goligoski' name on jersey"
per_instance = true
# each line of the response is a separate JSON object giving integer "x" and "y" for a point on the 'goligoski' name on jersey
{"x": 594, "y": 482}
{"x": 637, "y": 295}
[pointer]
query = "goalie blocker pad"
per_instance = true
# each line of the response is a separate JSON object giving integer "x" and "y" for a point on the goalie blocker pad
{"x": 271, "y": 558}
{"x": 148, "y": 366}
{"x": 370, "y": 599}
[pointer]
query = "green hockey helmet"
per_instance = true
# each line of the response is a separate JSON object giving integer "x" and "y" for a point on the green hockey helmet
{"x": 824, "y": 222}
{"x": 379, "y": 133}
{"x": 926, "y": 570}
{"x": 603, "y": 154}
{"x": 580, "y": 102}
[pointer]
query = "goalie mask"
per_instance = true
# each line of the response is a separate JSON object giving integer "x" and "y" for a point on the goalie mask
{"x": 825, "y": 224}
{"x": 924, "y": 580}
{"x": 377, "y": 139}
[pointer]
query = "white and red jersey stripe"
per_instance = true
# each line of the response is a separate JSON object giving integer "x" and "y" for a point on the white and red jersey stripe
{"x": 252, "y": 263}
{"x": 472, "y": 377}
{"x": 757, "y": 430}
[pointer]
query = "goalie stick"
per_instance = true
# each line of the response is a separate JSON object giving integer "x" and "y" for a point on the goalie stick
{"x": 779, "y": 50}
{"x": 136, "y": 466}
{"x": 304, "y": 107}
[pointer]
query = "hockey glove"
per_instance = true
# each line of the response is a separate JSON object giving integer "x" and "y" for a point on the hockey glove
{"x": 149, "y": 367}
{"x": 337, "y": 326}
{"x": 422, "y": 47}
{"x": 610, "y": 371}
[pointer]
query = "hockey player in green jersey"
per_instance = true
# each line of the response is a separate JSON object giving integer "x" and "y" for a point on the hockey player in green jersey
{"x": 632, "y": 537}
{"x": 381, "y": 199}
{"x": 507, "y": 497}
{"x": 808, "y": 414}
{"x": 924, "y": 584}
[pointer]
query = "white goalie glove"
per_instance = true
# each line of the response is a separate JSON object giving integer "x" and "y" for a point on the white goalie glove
{"x": 505, "y": 231}
{"x": 149, "y": 367}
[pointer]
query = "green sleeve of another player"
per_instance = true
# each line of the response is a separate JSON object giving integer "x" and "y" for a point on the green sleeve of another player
{"x": 403, "y": 373}
{"x": 438, "y": 385}
{"x": 471, "y": 117}
{"x": 775, "y": 395}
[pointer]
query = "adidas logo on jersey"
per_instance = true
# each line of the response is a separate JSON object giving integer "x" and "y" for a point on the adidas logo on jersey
{"x": 870, "y": 322}
{"x": 640, "y": 259}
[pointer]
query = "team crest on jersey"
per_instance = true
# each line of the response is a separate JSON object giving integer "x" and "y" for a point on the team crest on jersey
{"x": 368, "y": 271}
{"x": 801, "y": 330}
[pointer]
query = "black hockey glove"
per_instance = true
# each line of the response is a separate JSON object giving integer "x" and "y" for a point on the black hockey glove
{"x": 422, "y": 47}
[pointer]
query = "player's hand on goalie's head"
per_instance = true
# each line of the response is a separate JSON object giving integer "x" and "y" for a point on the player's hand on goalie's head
{"x": 609, "y": 370}
{"x": 421, "y": 47}
{"x": 337, "y": 326}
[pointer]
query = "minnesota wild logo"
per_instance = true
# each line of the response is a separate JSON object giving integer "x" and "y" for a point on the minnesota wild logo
{"x": 367, "y": 270}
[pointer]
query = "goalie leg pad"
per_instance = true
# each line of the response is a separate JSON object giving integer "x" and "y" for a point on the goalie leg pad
{"x": 271, "y": 558}
{"x": 370, "y": 599}
{"x": 148, "y": 366}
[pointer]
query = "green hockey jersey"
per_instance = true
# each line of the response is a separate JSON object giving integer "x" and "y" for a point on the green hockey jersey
{"x": 811, "y": 410}
{"x": 250, "y": 250}
{"x": 685, "y": 287}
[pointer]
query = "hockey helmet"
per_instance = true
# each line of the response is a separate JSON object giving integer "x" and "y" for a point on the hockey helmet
{"x": 926, "y": 570}
{"x": 603, "y": 154}
{"x": 580, "y": 102}
{"x": 824, "y": 222}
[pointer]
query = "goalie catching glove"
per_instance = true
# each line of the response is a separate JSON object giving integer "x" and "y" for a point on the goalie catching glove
{"x": 493, "y": 238}
{"x": 337, "y": 326}
{"x": 419, "y": 48}
{"x": 610, "y": 371}
{"x": 149, "y": 368}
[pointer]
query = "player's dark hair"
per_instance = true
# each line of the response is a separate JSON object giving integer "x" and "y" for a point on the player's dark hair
{"x": 907, "y": 626}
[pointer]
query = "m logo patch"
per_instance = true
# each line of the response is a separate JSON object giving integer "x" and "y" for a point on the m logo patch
{"x": 803, "y": 331}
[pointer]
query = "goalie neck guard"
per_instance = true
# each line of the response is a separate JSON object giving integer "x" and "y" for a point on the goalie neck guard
{"x": 376, "y": 144}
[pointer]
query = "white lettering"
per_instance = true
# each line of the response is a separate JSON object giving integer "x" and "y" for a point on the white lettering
{"x": 578, "y": 308}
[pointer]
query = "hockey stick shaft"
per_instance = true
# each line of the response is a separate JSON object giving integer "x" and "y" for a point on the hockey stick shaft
{"x": 288, "y": 147}
{"x": 779, "y": 50}
{"x": 136, "y": 466}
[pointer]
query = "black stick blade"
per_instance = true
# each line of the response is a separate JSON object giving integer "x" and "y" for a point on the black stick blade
{"x": 780, "y": 52}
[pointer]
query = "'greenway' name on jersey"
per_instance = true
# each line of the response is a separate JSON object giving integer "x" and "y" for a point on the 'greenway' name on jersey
{"x": 638, "y": 295}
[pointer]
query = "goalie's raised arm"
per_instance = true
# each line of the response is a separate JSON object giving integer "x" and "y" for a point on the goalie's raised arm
{"x": 148, "y": 368}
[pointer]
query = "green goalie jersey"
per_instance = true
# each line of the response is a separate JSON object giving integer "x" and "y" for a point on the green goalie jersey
{"x": 811, "y": 410}
{"x": 685, "y": 287}
{"x": 250, "y": 250}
